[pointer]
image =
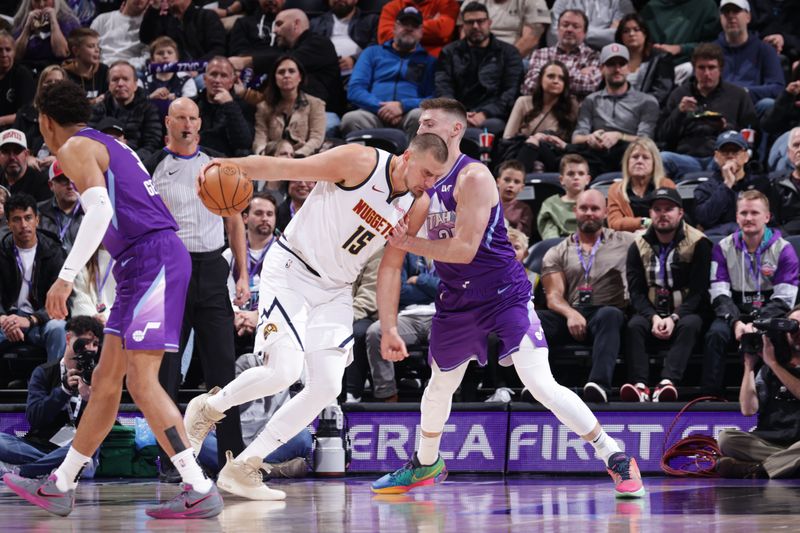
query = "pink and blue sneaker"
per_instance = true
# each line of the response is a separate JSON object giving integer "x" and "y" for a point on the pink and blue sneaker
{"x": 627, "y": 478}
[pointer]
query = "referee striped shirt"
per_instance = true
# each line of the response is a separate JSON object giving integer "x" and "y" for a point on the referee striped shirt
{"x": 174, "y": 177}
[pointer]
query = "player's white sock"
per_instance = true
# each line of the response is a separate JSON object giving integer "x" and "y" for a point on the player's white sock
{"x": 261, "y": 446}
{"x": 428, "y": 451}
{"x": 190, "y": 471}
{"x": 69, "y": 470}
{"x": 604, "y": 446}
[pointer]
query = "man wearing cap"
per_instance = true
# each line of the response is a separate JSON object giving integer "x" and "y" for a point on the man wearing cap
{"x": 17, "y": 176}
{"x": 113, "y": 127}
{"x": 667, "y": 271}
{"x": 612, "y": 117}
{"x": 391, "y": 79}
{"x": 715, "y": 199}
{"x": 438, "y": 21}
{"x": 61, "y": 215}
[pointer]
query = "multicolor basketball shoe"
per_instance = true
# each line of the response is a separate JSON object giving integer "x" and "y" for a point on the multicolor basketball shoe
{"x": 625, "y": 473}
{"x": 189, "y": 503}
{"x": 411, "y": 475}
{"x": 42, "y": 492}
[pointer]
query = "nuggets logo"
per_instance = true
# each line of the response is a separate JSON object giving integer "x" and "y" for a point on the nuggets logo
{"x": 270, "y": 328}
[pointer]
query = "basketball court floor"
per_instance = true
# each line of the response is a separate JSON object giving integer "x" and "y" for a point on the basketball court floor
{"x": 465, "y": 503}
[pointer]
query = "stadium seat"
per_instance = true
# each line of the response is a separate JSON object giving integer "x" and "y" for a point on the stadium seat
{"x": 389, "y": 139}
{"x": 603, "y": 182}
{"x": 794, "y": 240}
{"x": 537, "y": 251}
{"x": 539, "y": 187}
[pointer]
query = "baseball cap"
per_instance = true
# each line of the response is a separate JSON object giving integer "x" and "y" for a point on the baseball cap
{"x": 664, "y": 193}
{"x": 112, "y": 124}
{"x": 410, "y": 14}
{"x": 55, "y": 170}
{"x": 613, "y": 50}
{"x": 13, "y": 137}
{"x": 730, "y": 137}
{"x": 741, "y": 4}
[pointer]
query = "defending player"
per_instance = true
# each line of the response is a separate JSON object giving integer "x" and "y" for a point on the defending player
{"x": 483, "y": 289}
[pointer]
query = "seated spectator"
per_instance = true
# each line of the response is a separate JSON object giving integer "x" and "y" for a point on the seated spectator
{"x": 753, "y": 275}
{"x": 604, "y": 18}
{"x": 227, "y": 121}
{"x": 41, "y": 32}
{"x": 84, "y": 67}
{"x": 94, "y": 289}
{"x": 30, "y": 261}
{"x": 277, "y": 188}
{"x": 164, "y": 87}
{"x": 252, "y": 33}
{"x": 667, "y": 272}
{"x": 198, "y": 32}
{"x": 786, "y": 192}
{"x": 613, "y": 117}
{"x": 4, "y": 194}
{"x": 650, "y": 71}
{"x": 129, "y": 104}
{"x": 350, "y": 30}
{"x": 390, "y": 80}
{"x": 776, "y": 21}
{"x": 583, "y": 62}
{"x": 786, "y": 111}
{"x": 698, "y": 111}
{"x": 296, "y": 194}
{"x": 61, "y": 215}
{"x": 481, "y": 72}
{"x": 582, "y": 277}
{"x": 57, "y": 399}
{"x": 557, "y": 214}
{"x": 541, "y": 124}
{"x": 520, "y": 23}
{"x": 365, "y": 313}
{"x": 768, "y": 451}
{"x": 439, "y": 21}
{"x": 510, "y": 182}
{"x": 119, "y": 34}
{"x": 16, "y": 82}
{"x": 715, "y": 199}
{"x": 287, "y": 112}
{"x": 642, "y": 173}
{"x": 27, "y": 121}
{"x": 17, "y": 176}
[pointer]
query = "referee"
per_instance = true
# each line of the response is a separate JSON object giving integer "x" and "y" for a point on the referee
{"x": 208, "y": 307}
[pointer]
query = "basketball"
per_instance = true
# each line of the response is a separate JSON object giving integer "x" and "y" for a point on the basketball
{"x": 226, "y": 190}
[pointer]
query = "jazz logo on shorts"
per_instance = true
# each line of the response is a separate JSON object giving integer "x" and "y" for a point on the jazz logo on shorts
{"x": 270, "y": 328}
{"x": 139, "y": 334}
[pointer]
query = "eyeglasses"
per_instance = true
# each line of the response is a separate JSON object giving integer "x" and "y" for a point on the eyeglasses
{"x": 475, "y": 22}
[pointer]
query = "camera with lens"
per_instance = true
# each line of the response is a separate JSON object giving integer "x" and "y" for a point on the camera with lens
{"x": 775, "y": 329}
{"x": 85, "y": 359}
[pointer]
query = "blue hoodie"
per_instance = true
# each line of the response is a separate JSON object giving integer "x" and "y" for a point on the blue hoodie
{"x": 754, "y": 66}
{"x": 381, "y": 74}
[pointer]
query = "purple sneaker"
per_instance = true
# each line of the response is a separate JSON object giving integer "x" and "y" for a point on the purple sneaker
{"x": 42, "y": 492}
{"x": 189, "y": 504}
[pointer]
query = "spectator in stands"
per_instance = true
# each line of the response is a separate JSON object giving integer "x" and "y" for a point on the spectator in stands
{"x": 698, "y": 111}
{"x": 57, "y": 398}
{"x": 287, "y": 112}
{"x": 252, "y": 33}
{"x": 715, "y": 199}
{"x": 608, "y": 120}
{"x": 541, "y": 124}
{"x": 786, "y": 191}
{"x": 582, "y": 277}
{"x": 365, "y": 313}
{"x": 229, "y": 11}
{"x": 227, "y": 121}
{"x": 198, "y": 32}
{"x": 786, "y": 111}
{"x": 642, "y": 173}
{"x": 391, "y": 79}
{"x": 667, "y": 271}
{"x": 350, "y": 29}
{"x": 279, "y": 148}
{"x": 770, "y": 450}
{"x": 296, "y": 194}
{"x": 17, "y": 176}
{"x": 94, "y": 290}
{"x": 679, "y": 26}
{"x": 777, "y": 22}
{"x": 583, "y": 62}
{"x": 650, "y": 71}
{"x": 84, "y": 66}
{"x": 753, "y": 275}
{"x": 510, "y": 182}
{"x": 520, "y": 23}
{"x": 62, "y": 215}
{"x": 750, "y": 63}
{"x": 481, "y": 72}
{"x": 16, "y": 82}
{"x": 29, "y": 263}
{"x": 164, "y": 87}
{"x": 41, "y": 28}
{"x": 438, "y": 24}
{"x": 27, "y": 121}
{"x": 119, "y": 34}
{"x": 604, "y": 18}
{"x": 557, "y": 214}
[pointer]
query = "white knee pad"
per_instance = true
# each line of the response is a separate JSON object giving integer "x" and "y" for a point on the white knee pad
{"x": 438, "y": 397}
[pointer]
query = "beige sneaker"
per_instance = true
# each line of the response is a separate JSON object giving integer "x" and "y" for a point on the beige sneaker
{"x": 200, "y": 418}
{"x": 243, "y": 478}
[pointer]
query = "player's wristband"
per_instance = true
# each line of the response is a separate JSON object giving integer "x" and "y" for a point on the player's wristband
{"x": 97, "y": 215}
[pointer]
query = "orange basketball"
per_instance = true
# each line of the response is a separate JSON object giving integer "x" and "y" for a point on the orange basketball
{"x": 226, "y": 190}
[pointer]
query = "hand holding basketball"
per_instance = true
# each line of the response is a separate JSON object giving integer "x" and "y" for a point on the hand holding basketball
{"x": 224, "y": 189}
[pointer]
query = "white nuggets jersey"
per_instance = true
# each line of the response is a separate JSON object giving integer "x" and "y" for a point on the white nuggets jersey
{"x": 339, "y": 228}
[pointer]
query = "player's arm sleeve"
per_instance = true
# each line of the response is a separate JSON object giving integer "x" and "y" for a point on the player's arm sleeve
{"x": 98, "y": 213}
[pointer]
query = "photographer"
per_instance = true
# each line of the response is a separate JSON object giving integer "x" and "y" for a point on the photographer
{"x": 773, "y": 448}
{"x": 57, "y": 396}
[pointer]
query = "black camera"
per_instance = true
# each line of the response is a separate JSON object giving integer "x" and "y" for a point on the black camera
{"x": 775, "y": 329}
{"x": 85, "y": 359}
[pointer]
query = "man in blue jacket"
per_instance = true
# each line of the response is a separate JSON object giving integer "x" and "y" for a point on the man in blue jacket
{"x": 390, "y": 80}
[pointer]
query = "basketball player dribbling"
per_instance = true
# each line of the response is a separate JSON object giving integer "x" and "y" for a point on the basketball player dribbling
{"x": 152, "y": 269}
{"x": 483, "y": 289}
{"x": 305, "y": 300}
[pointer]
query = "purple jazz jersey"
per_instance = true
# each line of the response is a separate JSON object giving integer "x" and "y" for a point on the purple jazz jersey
{"x": 152, "y": 267}
{"x": 491, "y": 294}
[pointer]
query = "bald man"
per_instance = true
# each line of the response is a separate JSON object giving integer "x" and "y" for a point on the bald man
{"x": 584, "y": 280}
{"x": 208, "y": 309}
